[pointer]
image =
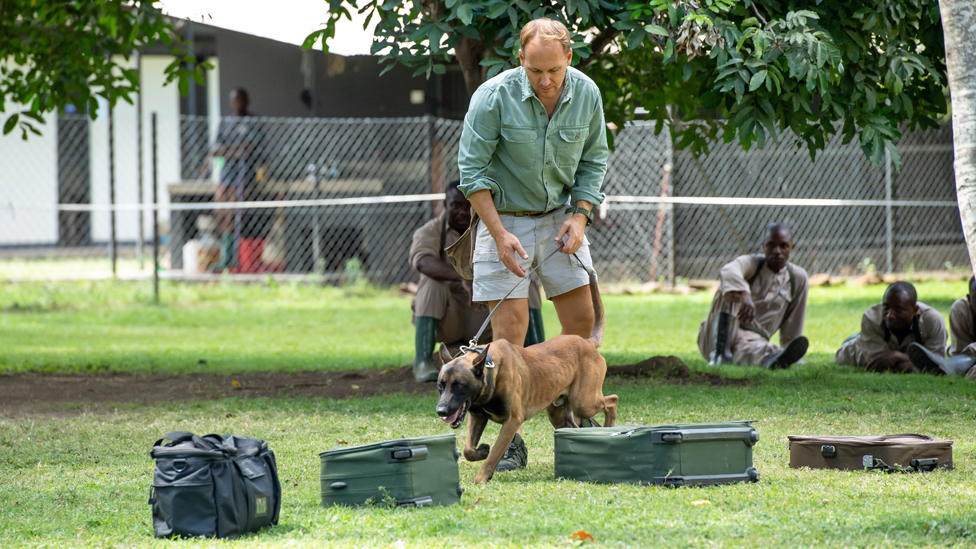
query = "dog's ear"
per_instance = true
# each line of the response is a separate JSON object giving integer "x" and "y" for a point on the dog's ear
{"x": 445, "y": 354}
{"x": 479, "y": 363}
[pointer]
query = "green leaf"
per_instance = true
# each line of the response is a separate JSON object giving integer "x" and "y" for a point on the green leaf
{"x": 669, "y": 50}
{"x": 635, "y": 38}
{"x": 498, "y": 9}
{"x": 465, "y": 14}
{"x": 435, "y": 39}
{"x": 757, "y": 80}
{"x": 450, "y": 3}
{"x": 894, "y": 154}
{"x": 10, "y": 124}
{"x": 822, "y": 54}
{"x": 655, "y": 29}
{"x": 439, "y": 69}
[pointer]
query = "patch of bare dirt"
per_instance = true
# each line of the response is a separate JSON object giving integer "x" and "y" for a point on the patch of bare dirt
{"x": 672, "y": 369}
{"x": 64, "y": 395}
{"x": 67, "y": 395}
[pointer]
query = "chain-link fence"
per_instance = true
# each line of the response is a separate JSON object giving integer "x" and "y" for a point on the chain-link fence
{"x": 323, "y": 197}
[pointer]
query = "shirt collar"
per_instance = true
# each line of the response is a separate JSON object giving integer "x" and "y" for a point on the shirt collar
{"x": 528, "y": 92}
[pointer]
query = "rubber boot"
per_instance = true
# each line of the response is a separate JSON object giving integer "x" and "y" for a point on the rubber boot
{"x": 425, "y": 365}
{"x": 536, "y": 332}
{"x": 721, "y": 354}
{"x": 226, "y": 252}
{"x": 931, "y": 363}
{"x": 786, "y": 357}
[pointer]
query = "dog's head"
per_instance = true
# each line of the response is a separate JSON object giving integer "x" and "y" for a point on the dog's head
{"x": 460, "y": 383}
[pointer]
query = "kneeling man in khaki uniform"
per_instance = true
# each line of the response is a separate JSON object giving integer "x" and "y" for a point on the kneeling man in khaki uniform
{"x": 443, "y": 311}
{"x": 962, "y": 353}
{"x": 758, "y": 295}
{"x": 889, "y": 328}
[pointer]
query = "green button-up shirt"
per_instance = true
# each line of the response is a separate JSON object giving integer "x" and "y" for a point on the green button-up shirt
{"x": 529, "y": 162}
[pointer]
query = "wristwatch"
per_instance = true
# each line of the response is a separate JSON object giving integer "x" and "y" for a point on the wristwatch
{"x": 577, "y": 210}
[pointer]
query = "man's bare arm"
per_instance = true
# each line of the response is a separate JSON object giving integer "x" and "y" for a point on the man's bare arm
{"x": 438, "y": 269}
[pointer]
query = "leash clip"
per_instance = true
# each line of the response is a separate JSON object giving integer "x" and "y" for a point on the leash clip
{"x": 471, "y": 347}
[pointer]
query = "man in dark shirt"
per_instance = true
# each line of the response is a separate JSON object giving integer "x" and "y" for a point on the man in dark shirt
{"x": 236, "y": 154}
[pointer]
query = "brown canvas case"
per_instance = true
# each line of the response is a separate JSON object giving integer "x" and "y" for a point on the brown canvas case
{"x": 906, "y": 453}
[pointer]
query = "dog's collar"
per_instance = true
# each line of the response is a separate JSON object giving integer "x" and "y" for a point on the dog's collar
{"x": 488, "y": 389}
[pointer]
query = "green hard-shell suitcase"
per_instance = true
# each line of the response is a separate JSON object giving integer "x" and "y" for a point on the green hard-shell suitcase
{"x": 664, "y": 455}
{"x": 414, "y": 471}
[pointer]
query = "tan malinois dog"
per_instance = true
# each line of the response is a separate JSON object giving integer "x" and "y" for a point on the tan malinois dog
{"x": 563, "y": 376}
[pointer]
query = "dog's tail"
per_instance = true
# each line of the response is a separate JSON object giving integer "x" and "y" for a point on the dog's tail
{"x": 599, "y": 321}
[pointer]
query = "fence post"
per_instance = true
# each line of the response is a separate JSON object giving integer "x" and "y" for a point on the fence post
{"x": 141, "y": 193}
{"x": 888, "y": 224}
{"x": 155, "y": 214}
{"x": 112, "y": 251}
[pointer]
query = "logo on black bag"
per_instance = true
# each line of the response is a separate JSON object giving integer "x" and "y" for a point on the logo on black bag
{"x": 261, "y": 506}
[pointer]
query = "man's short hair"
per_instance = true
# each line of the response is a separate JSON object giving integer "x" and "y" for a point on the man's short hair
{"x": 905, "y": 289}
{"x": 239, "y": 91}
{"x": 453, "y": 185}
{"x": 545, "y": 29}
{"x": 776, "y": 228}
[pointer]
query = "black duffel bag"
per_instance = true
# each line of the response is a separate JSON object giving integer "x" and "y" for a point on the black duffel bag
{"x": 213, "y": 486}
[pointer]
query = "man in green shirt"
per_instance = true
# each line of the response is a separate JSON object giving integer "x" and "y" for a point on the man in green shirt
{"x": 533, "y": 155}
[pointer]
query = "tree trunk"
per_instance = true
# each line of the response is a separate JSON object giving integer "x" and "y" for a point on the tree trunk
{"x": 959, "y": 26}
{"x": 469, "y": 55}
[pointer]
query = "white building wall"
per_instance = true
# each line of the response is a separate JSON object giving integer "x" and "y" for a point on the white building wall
{"x": 164, "y": 101}
{"x": 28, "y": 184}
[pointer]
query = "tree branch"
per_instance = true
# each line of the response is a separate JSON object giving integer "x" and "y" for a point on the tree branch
{"x": 756, "y": 11}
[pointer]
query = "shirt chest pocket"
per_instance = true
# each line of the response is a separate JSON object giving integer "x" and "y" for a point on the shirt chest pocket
{"x": 569, "y": 146}
{"x": 521, "y": 145}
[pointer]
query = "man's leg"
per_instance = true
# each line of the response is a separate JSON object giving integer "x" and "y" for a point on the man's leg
{"x": 511, "y": 321}
{"x": 575, "y": 311}
{"x": 750, "y": 348}
{"x": 225, "y": 225}
{"x": 430, "y": 307}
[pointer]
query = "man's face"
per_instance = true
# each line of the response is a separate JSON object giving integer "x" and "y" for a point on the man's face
{"x": 458, "y": 210}
{"x": 545, "y": 64}
{"x": 777, "y": 248}
{"x": 238, "y": 101}
{"x": 898, "y": 310}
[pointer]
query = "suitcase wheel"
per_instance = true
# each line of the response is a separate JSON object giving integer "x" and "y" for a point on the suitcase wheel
{"x": 753, "y": 474}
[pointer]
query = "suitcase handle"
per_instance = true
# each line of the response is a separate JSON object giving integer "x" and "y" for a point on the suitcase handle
{"x": 406, "y": 453}
{"x": 748, "y": 435}
{"x": 422, "y": 501}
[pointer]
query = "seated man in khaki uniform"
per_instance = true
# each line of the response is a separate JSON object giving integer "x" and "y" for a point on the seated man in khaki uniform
{"x": 770, "y": 295}
{"x": 443, "y": 311}
{"x": 962, "y": 353}
{"x": 889, "y": 328}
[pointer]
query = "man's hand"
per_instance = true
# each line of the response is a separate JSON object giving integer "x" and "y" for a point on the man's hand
{"x": 747, "y": 309}
{"x": 508, "y": 246}
{"x": 573, "y": 227}
{"x": 892, "y": 361}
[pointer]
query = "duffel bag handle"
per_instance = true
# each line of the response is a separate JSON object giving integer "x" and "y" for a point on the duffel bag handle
{"x": 177, "y": 437}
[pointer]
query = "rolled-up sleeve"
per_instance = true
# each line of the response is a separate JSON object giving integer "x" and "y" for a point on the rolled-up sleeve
{"x": 479, "y": 137}
{"x": 593, "y": 162}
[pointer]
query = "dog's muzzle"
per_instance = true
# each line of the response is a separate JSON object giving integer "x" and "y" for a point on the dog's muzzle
{"x": 456, "y": 418}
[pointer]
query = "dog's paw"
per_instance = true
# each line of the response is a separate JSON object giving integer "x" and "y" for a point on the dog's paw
{"x": 478, "y": 454}
{"x": 482, "y": 478}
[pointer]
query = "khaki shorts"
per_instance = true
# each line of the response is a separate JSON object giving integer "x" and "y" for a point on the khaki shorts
{"x": 562, "y": 273}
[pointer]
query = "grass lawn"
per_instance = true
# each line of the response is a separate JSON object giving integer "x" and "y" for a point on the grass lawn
{"x": 83, "y": 480}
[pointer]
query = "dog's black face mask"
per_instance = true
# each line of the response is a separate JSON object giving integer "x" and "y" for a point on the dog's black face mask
{"x": 460, "y": 383}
